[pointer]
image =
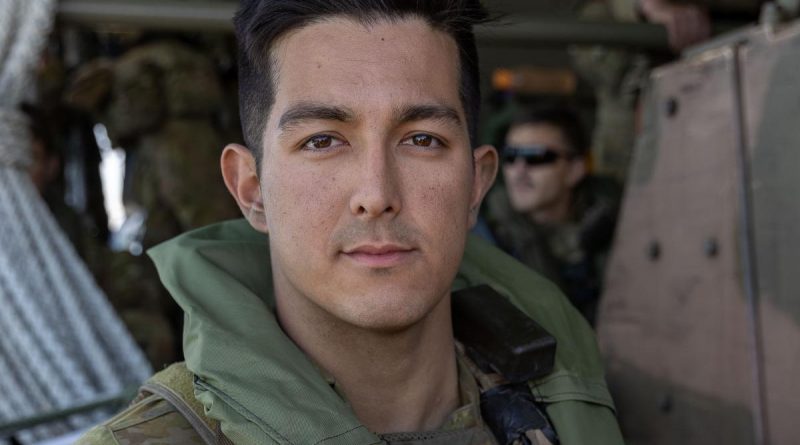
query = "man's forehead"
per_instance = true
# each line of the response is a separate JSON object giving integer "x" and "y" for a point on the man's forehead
{"x": 405, "y": 29}
{"x": 340, "y": 58}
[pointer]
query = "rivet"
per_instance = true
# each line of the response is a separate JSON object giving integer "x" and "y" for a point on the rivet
{"x": 672, "y": 107}
{"x": 654, "y": 250}
{"x": 665, "y": 405}
{"x": 711, "y": 247}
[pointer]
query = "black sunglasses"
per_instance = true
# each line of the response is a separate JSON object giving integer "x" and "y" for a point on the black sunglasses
{"x": 533, "y": 155}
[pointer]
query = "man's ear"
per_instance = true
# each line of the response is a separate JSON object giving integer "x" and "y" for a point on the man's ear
{"x": 485, "y": 161}
{"x": 578, "y": 168}
{"x": 240, "y": 173}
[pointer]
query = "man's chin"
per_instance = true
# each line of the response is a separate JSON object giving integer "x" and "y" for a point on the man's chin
{"x": 387, "y": 313}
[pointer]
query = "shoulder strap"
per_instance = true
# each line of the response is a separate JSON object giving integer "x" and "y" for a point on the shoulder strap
{"x": 175, "y": 385}
{"x": 510, "y": 409}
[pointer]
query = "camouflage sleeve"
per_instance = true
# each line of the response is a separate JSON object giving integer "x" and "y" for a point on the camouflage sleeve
{"x": 150, "y": 420}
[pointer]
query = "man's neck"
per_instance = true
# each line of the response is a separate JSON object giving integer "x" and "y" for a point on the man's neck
{"x": 399, "y": 381}
{"x": 557, "y": 213}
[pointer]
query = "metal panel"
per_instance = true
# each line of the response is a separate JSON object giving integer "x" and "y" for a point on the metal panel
{"x": 771, "y": 85}
{"x": 216, "y": 16}
{"x": 702, "y": 336}
{"x": 674, "y": 319}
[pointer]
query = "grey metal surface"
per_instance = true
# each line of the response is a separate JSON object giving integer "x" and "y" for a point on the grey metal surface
{"x": 771, "y": 94}
{"x": 702, "y": 339}
{"x": 747, "y": 253}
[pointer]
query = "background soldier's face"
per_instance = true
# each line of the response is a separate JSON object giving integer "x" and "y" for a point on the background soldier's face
{"x": 532, "y": 188}
{"x": 367, "y": 175}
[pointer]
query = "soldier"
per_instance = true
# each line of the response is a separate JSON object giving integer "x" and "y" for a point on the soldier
{"x": 618, "y": 75}
{"x": 359, "y": 119}
{"x": 158, "y": 102}
{"x": 554, "y": 216}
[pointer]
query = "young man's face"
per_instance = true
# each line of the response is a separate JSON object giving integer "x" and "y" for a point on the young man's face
{"x": 367, "y": 179}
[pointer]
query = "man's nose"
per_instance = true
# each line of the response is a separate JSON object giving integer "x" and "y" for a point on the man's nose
{"x": 377, "y": 192}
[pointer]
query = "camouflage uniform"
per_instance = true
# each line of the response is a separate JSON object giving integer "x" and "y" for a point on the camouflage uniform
{"x": 156, "y": 415}
{"x": 573, "y": 254}
{"x": 247, "y": 383}
{"x": 618, "y": 75}
{"x": 158, "y": 101}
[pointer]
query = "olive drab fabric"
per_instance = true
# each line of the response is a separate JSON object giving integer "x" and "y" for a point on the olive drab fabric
{"x": 160, "y": 102}
{"x": 166, "y": 411}
{"x": 253, "y": 380}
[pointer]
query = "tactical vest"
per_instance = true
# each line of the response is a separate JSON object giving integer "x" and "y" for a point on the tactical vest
{"x": 166, "y": 412}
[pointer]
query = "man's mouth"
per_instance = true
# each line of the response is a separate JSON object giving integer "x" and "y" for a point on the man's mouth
{"x": 379, "y": 256}
{"x": 522, "y": 183}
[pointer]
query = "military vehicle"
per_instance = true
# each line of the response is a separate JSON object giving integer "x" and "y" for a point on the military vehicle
{"x": 700, "y": 319}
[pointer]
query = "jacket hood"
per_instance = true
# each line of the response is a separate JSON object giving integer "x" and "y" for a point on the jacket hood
{"x": 252, "y": 378}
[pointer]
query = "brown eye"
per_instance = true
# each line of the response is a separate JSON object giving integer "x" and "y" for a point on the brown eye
{"x": 423, "y": 140}
{"x": 322, "y": 142}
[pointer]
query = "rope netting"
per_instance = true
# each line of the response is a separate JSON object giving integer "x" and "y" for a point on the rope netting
{"x": 62, "y": 345}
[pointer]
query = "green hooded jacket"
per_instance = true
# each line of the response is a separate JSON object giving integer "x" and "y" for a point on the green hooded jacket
{"x": 262, "y": 389}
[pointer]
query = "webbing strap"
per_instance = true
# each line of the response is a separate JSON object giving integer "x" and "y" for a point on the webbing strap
{"x": 175, "y": 385}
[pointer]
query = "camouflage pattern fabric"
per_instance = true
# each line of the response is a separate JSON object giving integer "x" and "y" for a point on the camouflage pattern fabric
{"x": 618, "y": 75}
{"x": 153, "y": 419}
{"x": 573, "y": 255}
{"x": 160, "y": 103}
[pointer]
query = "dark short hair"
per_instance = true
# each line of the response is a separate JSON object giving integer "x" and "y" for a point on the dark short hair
{"x": 259, "y": 23}
{"x": 563, "y": 117}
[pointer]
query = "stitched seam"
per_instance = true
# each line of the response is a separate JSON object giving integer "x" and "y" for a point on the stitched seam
{"x": 425, "y": 435}
{"x": 342, "y": 434}
{"x": 263, "y": 426}
{"x": 119, "y": 422}
{"x": 113, "y": 436}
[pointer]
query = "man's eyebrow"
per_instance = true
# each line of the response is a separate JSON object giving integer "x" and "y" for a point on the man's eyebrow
{"x": 412, "y": 113}
{"x": 305, "y": 111}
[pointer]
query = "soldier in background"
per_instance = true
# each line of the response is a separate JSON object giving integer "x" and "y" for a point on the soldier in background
{"x": 553, "y": 215}
{"x": 618, "y": 75}
{"x": 159, "y": 101}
